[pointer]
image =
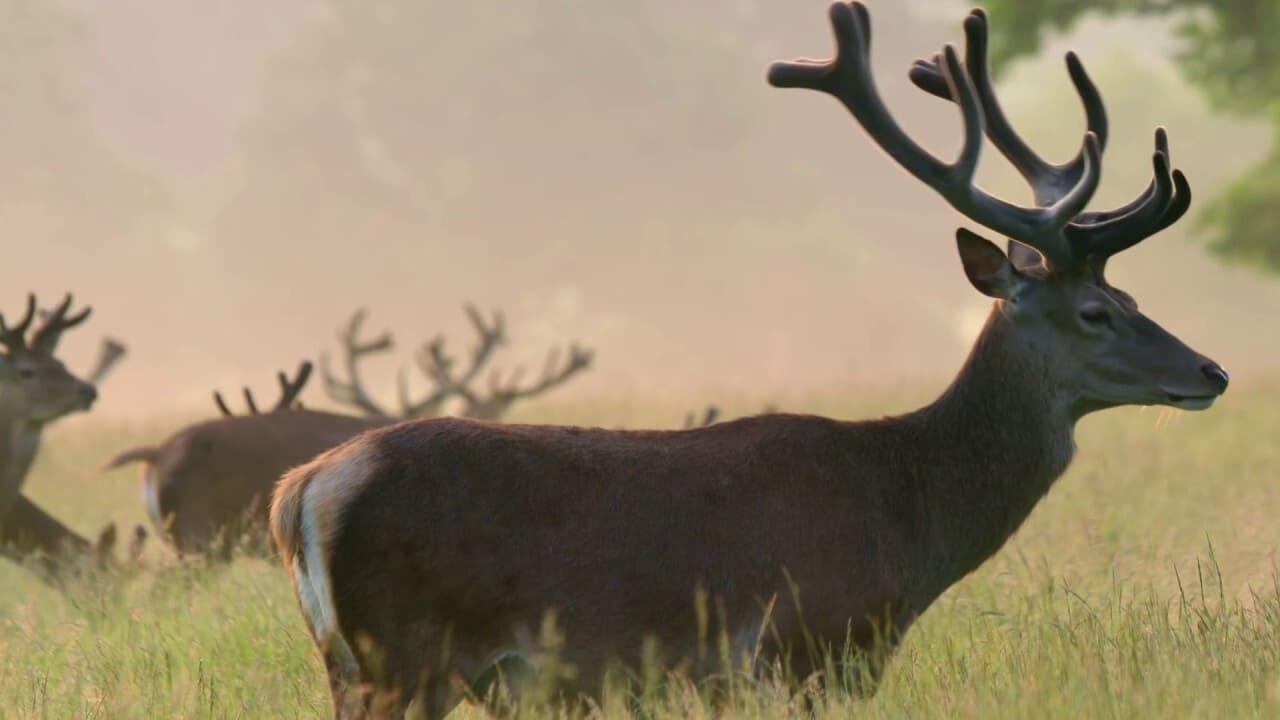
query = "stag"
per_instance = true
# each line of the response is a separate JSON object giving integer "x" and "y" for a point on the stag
{"x": 206, "y": 487}
{"x": 35, "y": 390}
{"x": 424, "y": 553}
{"x": 441, "y": 369}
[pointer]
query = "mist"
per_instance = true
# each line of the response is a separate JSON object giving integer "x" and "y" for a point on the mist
{"x": 226, "y": 182}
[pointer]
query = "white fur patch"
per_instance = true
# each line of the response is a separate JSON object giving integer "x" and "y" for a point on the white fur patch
{"x": 151, "y": 495}
{"x": 341, "y": 476}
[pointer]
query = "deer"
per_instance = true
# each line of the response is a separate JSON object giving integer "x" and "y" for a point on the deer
{"x": 426, "y": 555}
{"x": 207, "y": 486}
{"x": 35, "y": 390}
{"x": 440, "y": 368}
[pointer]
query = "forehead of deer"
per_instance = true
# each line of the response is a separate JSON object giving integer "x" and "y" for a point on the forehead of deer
{"x": 26, "y": 356}
{"x": 1084, "y": 285}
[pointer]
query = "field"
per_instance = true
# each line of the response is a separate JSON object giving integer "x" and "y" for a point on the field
{"x": 1145, "y": 585}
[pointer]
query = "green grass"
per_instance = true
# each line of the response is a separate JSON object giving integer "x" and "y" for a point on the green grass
{"x": 1145, "y": 585}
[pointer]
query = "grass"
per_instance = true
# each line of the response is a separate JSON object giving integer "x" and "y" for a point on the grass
{"x": 1145, "y": 585}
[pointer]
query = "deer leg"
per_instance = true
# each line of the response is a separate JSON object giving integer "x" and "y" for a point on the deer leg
{"x": 345, "y": 684}
{"x": 30, "y": 535}
{"x": 412, "y": 677}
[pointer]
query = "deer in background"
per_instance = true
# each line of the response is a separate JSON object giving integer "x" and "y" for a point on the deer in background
{"x": 35, "y": 390}
{"x": 438, "y": 366}
{"x": 207, "y": 486}
{"x": 425, "y": 553}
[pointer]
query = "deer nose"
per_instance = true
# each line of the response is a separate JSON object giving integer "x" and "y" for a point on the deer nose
{"x": 88, "y": 393}
{"x": 1217, "y": 376}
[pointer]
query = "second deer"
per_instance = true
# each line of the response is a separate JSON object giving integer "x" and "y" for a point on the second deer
{"x": 207, "y": 486}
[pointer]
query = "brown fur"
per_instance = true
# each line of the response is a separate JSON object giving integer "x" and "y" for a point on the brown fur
{"x": 35, "y": 390}
{"x": 460, "y": 536}
{"x": 453, "y": 540}
{"x": 214, "y": 479}
{"x": 344, "y": 468}
{"x": 285, "y": 515}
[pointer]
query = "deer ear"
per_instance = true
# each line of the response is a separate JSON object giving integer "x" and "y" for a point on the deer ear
{"x": 1024, "y": 257}
{"x": 987, "y": 267}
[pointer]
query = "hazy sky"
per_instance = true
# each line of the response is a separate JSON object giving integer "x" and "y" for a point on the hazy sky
{"x": 699, "y": 229}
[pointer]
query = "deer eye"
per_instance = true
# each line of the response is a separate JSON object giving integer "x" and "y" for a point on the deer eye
{"x": 26, "y": 373}
{"x": 1096, "y": 317}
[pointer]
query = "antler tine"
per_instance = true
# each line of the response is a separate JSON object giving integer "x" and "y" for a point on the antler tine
{"x": 1165, "y": 201}
{"x": 490, "y": 338}
{"x": 848, "y": 78}
{"x": 435, "y": 363}
{"x": 553, "y": 373}
{"x": 291, "y": 389}
{"x": 222, "y": 404}
{"x": 249, "y": 401}
{"x": 1049, "y": 182}
{"x": 15, "y": 338}
{"x": 351, "y": 391}
{"x": 709, "y": 417}
{"x": 512, "y": 387}
{"x": 1110, "y": 236}
{"x": 1094, "y": 218}
{"x": 45, "y": 339}
{"x": 402, "y": 392}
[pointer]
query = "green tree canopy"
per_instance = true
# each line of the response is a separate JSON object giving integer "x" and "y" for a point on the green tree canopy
{"x": 1231, "y": 50}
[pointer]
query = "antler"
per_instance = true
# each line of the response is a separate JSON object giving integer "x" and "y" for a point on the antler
{"x": 553, "y": 374}
{"x": 709, "y": 417}
{"x": 45, "y": 339}
{"x": 14, "y": 338}
{"x": 437, "y": 365}
{"x": 1092, "y": 237}
{"x": 351, "y": 391}
{"x": 1050, "y": 182}
{"x": 289, "y": 391}
{"x": 848, "y": 78}
{"x": 110, "y": 353}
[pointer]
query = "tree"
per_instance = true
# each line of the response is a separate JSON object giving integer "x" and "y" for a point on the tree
{"x": 1231, "y": 50}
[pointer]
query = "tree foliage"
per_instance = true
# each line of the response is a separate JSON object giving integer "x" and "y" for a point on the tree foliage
{"x": 1231, "y": 50}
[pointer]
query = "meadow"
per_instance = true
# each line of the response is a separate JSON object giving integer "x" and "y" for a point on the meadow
{"x": 1146, "y": 585}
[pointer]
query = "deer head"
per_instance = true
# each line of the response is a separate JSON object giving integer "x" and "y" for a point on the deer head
{"x": 1097, "y": 349}
{"x": 35, "y": 385}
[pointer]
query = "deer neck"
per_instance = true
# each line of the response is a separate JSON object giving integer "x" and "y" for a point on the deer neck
{"x": 994, "y": 441}
{"x": 19, "y": 441}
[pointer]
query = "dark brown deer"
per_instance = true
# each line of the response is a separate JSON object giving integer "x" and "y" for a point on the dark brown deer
{"x": 439, "y": 367}
{"x": 207, "y": 486}
{"x": 424, "y": 553}
{"x": 35, "y": 390}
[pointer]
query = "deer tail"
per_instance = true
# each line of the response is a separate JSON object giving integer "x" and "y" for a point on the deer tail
{"x": 132, "y": 455}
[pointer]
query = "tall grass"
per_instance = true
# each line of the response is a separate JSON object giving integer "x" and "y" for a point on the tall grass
{"x": 1145, "y": 585}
